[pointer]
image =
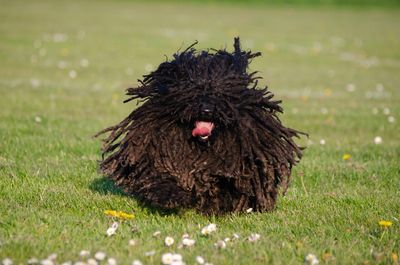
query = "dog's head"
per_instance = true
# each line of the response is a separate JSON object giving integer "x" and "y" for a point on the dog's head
{"x": 206, "y": 93}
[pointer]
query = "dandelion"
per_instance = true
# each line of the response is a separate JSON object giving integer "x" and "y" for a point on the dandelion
{"x": 385, "y": 224}
{"x": 254, "y": 237}
{"x": 378, "y": 140}
{"x": 312, "y": 259}
{"x": 200, "y": 260}
{"x": 395, "y": 258}
{"x": 169, "y": 241}
{"x": 111, "y": 261}
{"x": 209, "y": 229}
{"x": 137, "y": 262}
{"x": 119, "y": 214}
{"x": 112, "y": 230}
{"x": 84, "y": 253}
{"x": 346, "y": 157}
{"x": 322, "y": 142}
{"x": 100, "y": 256}
{"x": 187, "y": 242}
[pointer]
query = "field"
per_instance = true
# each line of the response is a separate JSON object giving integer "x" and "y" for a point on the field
{"x": 65, "y": 66}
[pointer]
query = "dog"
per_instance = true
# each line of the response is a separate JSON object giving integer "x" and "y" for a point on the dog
{"x": 205, "y": 137}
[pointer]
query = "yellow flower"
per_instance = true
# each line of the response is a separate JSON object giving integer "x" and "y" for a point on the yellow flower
{"x": 385, "y": 224}
{"x": 346, "y": 157}
{"x": 119, "y": 214}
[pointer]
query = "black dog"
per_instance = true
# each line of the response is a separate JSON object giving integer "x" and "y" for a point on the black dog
{"x": 204, "y": 138}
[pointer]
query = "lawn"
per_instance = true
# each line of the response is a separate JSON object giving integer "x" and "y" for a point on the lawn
{"x": 65, "y": 66}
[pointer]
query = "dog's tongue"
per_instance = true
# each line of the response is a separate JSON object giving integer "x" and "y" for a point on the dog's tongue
{"x": 203, "y": 128}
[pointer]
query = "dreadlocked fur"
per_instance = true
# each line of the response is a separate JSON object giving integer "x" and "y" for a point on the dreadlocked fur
{"x": 154, "y": 154}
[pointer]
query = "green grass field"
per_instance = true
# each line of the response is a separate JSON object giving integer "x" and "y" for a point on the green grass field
{"x": 64, "y": 68}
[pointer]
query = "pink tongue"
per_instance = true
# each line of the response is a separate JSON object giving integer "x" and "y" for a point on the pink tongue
{"x": 203, "y": 128}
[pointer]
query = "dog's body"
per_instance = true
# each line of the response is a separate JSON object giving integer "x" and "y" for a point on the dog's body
{"x": 205, "y": 138}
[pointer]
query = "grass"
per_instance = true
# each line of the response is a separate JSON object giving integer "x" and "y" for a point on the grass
{"x": 52, "y": 197}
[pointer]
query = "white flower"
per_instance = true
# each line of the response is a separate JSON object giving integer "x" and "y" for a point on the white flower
{"x": 254, "y": 237}
{"x": 350, "y": 87}
{"x": 227, "y": 239}
{"x": 80, "y": 263}
{"x": 100, "y": 256}
{"x": 378, "y": 140}
{"x": 156, "y": 233}
{"x": 311, "y": 259}
{"x": 7, "y": 261}
{"x": 220, "y": 244}
{"x": 249, "y": 210}
{"x": 137, "y": 262}
{"x": 33, "y": 261}
{"x": 38, "y": 119}
{"x": 150, "y": 253}
{"x": 188, "y": 242}
{"x": 47, "y": 262}
{"x": 111, "y": 261}
{"x": 322, "y": 142}
{"x": 169, "y": 241}
{"x": 92, "y": 262}
{"x": 72, "y": 74}
{"x": 166, "y": 258}
{"x": 35, "y": 82}
{"x": 200, "y": 260}
{"x": 84, "y": 253}
{"x": 391, "y": 119}
{"x": 185, "y": 236}
{"x": 84, "y": 62}
{"x": 209, "y": 229}
{"x": 52, "y": 256}
{"x": 112, "y": 229}
{"x": 235, "y": 236}
{"x": 132, "y": 242}
{"x": 379, "y": 87}
{"x": 386, "y": 111}
{"x": 62, "y": 64}
{"x": 171, "y": 259}
{"x": 67, "y": 263}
